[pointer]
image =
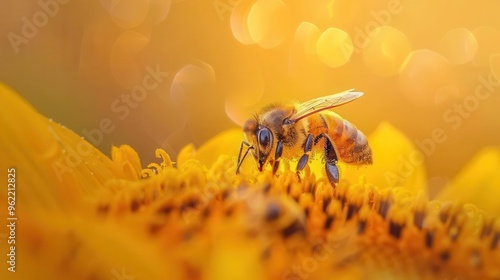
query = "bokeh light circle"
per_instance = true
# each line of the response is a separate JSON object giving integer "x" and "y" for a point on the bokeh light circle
{"x": 127, "y": 13}
{"x": 239, "y": 23}
{"x": 306, "y": 36}
{"x": 241, "y": 102}
{"x": 191, "y": 80}
{"x": 268, "y": 22}
{"x": 426, "y": 77}
{"x": 334, "y": 47}
{"x": 459, "y": 46}
{"x": 495, "y": 66}
{"x": 487, "y": 40}
{"x": 123, "y": 54}
{"x": 159, "y": 10}
{"x": 386, "y": 50}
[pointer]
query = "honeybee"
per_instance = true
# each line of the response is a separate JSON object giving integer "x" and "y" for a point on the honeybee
{"x": 293, "y": 130}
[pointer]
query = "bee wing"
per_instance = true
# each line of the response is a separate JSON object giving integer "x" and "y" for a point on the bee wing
{"x": 323, "y": 103}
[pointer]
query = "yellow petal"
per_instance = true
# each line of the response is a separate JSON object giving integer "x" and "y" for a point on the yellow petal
{"x": 54, "y": 166}
{"x": 186, "y": 153}
{"x": 478, "y": 182}
{"x": 55, "y": 247}
{"x": 225, "y": 143}
{"x": 223, "y": 264}
{"x": 191, "y": 221}
{"x": 396, "y": 162}
{"x": 127, "y": 160}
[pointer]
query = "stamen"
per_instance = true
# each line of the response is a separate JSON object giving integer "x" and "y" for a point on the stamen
{"x": 155, "y": 167}
{"x": 134, "y": 205}
{"x": 445, "y": 255}
{"x": 395, "y": 229}
{"x": 487, "y": 228}
{"x": 351, "y": 211}
{"x": 495, "y": 240}
{"x": 363, "y": 216}
{"x": 294, "y": 227}
{"x": 326, "y": 202}
{"x": 328, "y": 222}
{"x": 165, "y": 209}
{"x": 475, "y": 259}
{"x": 167, "y": 162}
{"x": 397, "y": 222}
{"x": 429, "y": 238}
{"x": 103, "y": 208}
{"x": 384, "y": 207}
{"x": 273, "y": 211}
{"x": 418, "y": 219}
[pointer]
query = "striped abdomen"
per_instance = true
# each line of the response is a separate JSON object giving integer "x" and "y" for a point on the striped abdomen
{"x": 350, "y": 144}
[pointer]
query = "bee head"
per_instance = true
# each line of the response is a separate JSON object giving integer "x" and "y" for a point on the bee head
{"x": 261, "y": 139}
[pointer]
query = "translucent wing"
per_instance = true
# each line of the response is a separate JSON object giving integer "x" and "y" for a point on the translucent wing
{"x": 323, "y": 103}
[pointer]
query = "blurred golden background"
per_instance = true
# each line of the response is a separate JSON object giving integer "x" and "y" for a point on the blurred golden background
{"x": 161, "y": 73}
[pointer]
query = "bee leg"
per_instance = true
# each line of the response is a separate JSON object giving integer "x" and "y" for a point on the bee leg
{"x": 240, "y": 158}
{"x": 305, "y": 157}
{"x": 332, "y": 171}
{"x": 277, "y": 156}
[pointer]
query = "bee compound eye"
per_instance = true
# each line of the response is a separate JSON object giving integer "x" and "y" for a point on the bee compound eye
{"x": 265, "y": 138}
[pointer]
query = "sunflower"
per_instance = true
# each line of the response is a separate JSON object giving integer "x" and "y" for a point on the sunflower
{"x": 78, "y": 214}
